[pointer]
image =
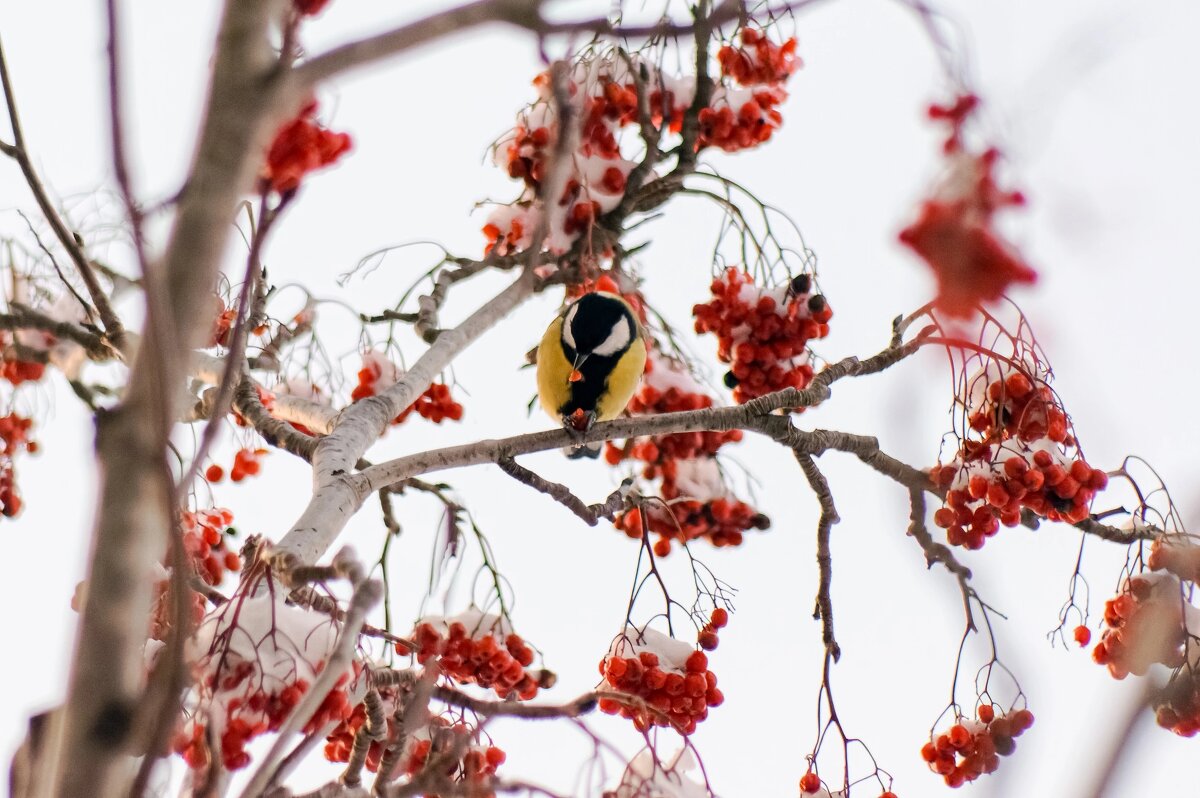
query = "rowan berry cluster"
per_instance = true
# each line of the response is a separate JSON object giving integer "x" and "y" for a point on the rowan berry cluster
{"x": 378, "y": 374}
{"x": 476, "y": 768}
{"x": 204, "y": 539}
{"x": 260, "y": 657}
{"x": 1175, "y": 554}
{"x": 763, "y": 332}
{"x": 17, "y": 371}
{"x": 954, "y": 232}
{"x": 14, "y": 437}
{"x": 1145, "y": 624}
{"x": 670, "y": 680}
{"x": 721, "y": 521}
{"x": 1177, "y": 707}
{"x": 667, "y": 387}
{"x": 255, "y": 712}
{"x": 603, "y": 93}
{"x": 758, "y": 60}
{"x": 435, "y": 404}
{"x": 340, "y": 741}
{"x": 741, "y": 118}
{"x": 972, "y": 748}
{"x": 1026, "y": 457}
{"x": 477, "y": 649}
{"x": 301, "y": 146}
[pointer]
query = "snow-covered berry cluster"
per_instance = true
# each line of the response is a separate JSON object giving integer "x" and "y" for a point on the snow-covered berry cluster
{"x": 670, "y": 679}
{"x": 763, "y": 333}
{"x": 1022, "y": 454}
{"x": 954, "y": 232}
{"x": 378, "y": 374}
{"x": 256, "y": 656}
{"x": 1144, "y": 624}
{"x": 697, "y": 505}
{"x": 667, "y": 387}
{"x": 474, "y": 648}
{"x": 972, "y": 748}
{"x": 301, "y": 146}
{"x": 14, "y": 438}
{"x": 602, "y": 91}
{"x": 1175, "y": 554}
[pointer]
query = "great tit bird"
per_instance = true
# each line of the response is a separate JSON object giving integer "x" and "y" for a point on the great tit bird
{"x": 589, "y": 363}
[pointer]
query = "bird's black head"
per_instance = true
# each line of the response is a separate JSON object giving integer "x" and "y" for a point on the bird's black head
{"x": 599, "y": 325}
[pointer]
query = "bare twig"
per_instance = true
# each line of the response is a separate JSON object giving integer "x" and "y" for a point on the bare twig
{"x": 829, "y": 517}
{"x": 20, "y": 152}
{"x": 560, "y": 493}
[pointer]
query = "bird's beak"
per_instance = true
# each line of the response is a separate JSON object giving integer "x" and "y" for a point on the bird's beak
{"x": 577, "y": 375}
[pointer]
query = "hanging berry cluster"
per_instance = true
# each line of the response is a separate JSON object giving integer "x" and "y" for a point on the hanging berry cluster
{"x": 262, "y": 656}
{"x": 700, "y": 504}
{"x": 378, "y": 374}
{"x": 17, "y": 371}
{"x": 205, "y": 533}
{"x": 14, "y": 438}
{"x": 477, "y": 649}
{"x": 475, "y": 770}
{"x": 763, "y": 333}
{"x": 742, "y": 118}
{"x": 970, "y": 749}
{"x": 301, "y": 146}
{"x": 954, "y": 232}
{"x": 1144, "y": 624}
{"x": 1024, "y": 455}
{"x": 603, "y": 93}
{"x": 670, "y": 679}
{"x": 667, "y": 387}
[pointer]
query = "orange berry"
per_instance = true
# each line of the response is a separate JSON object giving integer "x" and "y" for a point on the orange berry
{"x": 214, "y": 473}
{"x": 809, "y": 782}
{"x": 1083, "y": 635}
{"x": 986, "y": 713}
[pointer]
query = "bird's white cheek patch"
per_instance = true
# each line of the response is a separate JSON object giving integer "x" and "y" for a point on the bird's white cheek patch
{"x": 617, "y": 340}
{"x": 568, "y": 336}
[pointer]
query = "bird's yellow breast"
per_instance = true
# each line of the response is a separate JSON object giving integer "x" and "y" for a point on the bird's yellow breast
{"x": 554, "y": 371}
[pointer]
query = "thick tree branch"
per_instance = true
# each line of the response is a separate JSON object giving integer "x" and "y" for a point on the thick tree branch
{"x": 336, "y": 498}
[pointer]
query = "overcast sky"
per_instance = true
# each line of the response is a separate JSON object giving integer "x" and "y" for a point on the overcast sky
{"x": 1093, "y": 102}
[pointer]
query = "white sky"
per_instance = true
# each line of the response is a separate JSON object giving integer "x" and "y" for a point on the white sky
{"x": 1093, "y": 102}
